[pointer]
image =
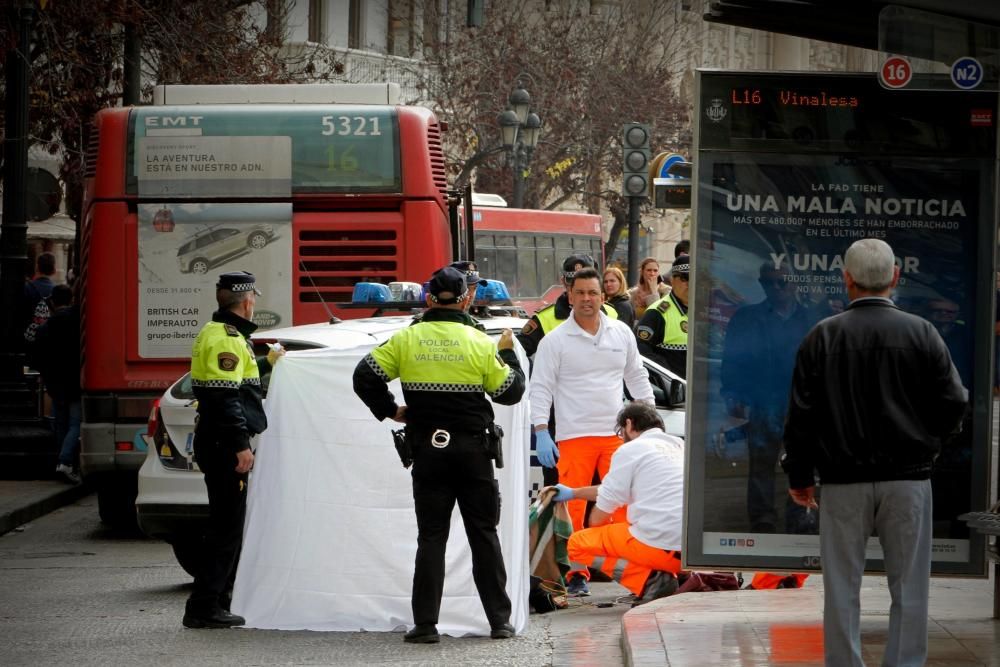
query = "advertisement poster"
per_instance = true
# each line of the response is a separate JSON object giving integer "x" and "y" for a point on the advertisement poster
{"x": 197, "y": 167}
{"x": 183, "y": 248}
{"x": 772, "y": 229}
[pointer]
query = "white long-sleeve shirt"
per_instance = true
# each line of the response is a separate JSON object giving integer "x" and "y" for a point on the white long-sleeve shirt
{"x": 647, "y": 474}
{"x": 582, "y": 375}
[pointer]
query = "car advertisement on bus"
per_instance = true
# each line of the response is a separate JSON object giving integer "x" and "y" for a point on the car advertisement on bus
{"x": 183, "y": 248}
{"x": 772, "y": 229}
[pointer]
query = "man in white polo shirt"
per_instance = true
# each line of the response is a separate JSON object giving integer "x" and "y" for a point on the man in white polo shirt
{"x": 647, "y": 474}
{"x": 579, "y": 368}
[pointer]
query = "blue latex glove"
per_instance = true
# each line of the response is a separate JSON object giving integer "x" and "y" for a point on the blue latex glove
{"x": 545, "y": 449}
{"x": 563, "y": 493}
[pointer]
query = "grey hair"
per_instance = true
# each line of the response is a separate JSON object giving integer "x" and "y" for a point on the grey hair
{"x": 228, "y": 299}
{"x": 871, "y": 263}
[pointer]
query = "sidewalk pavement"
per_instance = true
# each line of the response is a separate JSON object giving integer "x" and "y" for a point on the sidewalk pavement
{"x": 779, "y": 627}
{"x": 23, "y": 501}
{"x": 785, "y": 627}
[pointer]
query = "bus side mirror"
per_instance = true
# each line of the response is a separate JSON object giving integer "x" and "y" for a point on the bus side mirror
{"x": 678, "y": 393}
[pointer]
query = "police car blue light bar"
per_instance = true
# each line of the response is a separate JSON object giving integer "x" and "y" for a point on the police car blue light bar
{"x": 493, "y": 291}
{"x": 371, "y": 293}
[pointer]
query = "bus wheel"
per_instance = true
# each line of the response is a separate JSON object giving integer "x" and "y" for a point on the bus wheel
{"x": 257, "y": 240}
{"x": 199, "y": 266}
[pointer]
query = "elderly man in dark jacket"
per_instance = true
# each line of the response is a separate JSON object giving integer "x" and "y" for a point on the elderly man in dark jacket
{"x": 873, "y": 394}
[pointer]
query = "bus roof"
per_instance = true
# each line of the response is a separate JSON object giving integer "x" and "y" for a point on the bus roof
{"x": 292, "y": 93}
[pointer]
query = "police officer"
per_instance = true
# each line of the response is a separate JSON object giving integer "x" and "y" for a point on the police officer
{"x": 445, "y": 364}
{"x": 662, "y": 331}
{"x": 225, "y": 377}
{"x": 551, "y": 316}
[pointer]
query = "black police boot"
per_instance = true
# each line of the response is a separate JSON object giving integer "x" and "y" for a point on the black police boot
{"x": 505, "y": 631}
{"x": 215, "y": 618}
{"x": 658, "y": 585}
{"x": 423, "y": 634}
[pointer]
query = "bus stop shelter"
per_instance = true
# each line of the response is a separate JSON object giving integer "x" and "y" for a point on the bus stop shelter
{"x": 932, "y": 34}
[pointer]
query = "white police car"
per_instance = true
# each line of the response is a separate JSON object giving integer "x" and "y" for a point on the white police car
{"x": 172, "y": 503}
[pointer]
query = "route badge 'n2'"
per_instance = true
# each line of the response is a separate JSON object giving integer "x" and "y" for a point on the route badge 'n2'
{"x": 715, "y": 111}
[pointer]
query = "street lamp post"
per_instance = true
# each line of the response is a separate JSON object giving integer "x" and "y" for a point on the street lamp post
{"x": 519, "y": 128}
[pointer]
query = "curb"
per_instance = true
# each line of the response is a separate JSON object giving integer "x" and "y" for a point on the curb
{"x": 642, "y": 644}
{"x": 22, "y": 515}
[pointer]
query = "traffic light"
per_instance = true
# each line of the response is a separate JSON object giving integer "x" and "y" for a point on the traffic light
{"x": 635, "y": 158}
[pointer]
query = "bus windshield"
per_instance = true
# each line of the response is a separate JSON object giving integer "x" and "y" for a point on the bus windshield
{"x": 525, "y": 249}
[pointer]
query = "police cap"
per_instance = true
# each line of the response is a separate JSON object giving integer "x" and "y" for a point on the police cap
{"x": 571, "y": 262}
{"x": 471, "y": 273}
{"x": 447, "y": 285}
{"x": 681, "y": 265}
{"x": 238, "y": 281}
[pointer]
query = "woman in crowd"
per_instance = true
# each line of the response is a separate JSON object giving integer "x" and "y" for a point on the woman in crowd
{"x": 616, "y": 295}
{"x": 648, "y": 289}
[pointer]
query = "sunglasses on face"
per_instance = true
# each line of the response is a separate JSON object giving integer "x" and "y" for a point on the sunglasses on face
{"x": 683, "y": 277}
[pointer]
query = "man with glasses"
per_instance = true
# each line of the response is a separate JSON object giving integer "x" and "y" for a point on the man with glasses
{"x": 662, "y": 331}
{"x": 647, "y": 474}
{"x": 757, "y": 361}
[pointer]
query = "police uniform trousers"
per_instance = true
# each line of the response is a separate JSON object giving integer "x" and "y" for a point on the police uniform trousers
{"x": 227, "y": 505}
{"x": 463, "y": 472}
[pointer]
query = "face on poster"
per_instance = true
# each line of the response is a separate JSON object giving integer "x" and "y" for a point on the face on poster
{"x": 183, "y": 248}
{"x": 770, "y": 266}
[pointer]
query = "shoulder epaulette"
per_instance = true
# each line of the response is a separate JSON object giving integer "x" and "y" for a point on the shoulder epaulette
{"x": 663, "y": 306}
{"x": 231, "y": 330}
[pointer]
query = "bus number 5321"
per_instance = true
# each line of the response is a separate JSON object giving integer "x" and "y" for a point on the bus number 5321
{"x": 357, "y": 125}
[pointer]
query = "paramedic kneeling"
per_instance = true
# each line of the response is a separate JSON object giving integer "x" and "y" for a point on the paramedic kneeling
{"x": 444, "y": 365}
{"x": 647, "y": 474}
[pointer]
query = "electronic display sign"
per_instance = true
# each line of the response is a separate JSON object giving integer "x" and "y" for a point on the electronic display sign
{"x": 263, "y": 151}
{"x": 790, "y": 170}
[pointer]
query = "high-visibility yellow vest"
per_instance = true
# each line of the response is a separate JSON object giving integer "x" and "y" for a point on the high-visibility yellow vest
{"x": 675, "y": 324}
{"x": 222, "y": 357}
{"x": 442, "y": 356}
{"x": 548, "y": 320}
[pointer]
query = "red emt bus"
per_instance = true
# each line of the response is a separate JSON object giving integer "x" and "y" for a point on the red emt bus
{"x": 310, "y": 196}
{"x": 525, "y": 248}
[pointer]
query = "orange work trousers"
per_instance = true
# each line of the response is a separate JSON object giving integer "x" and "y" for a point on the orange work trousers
{"x": 769, "y": 580}
{"x": 613, "y": 550}
{"x": 579, "y": 459}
